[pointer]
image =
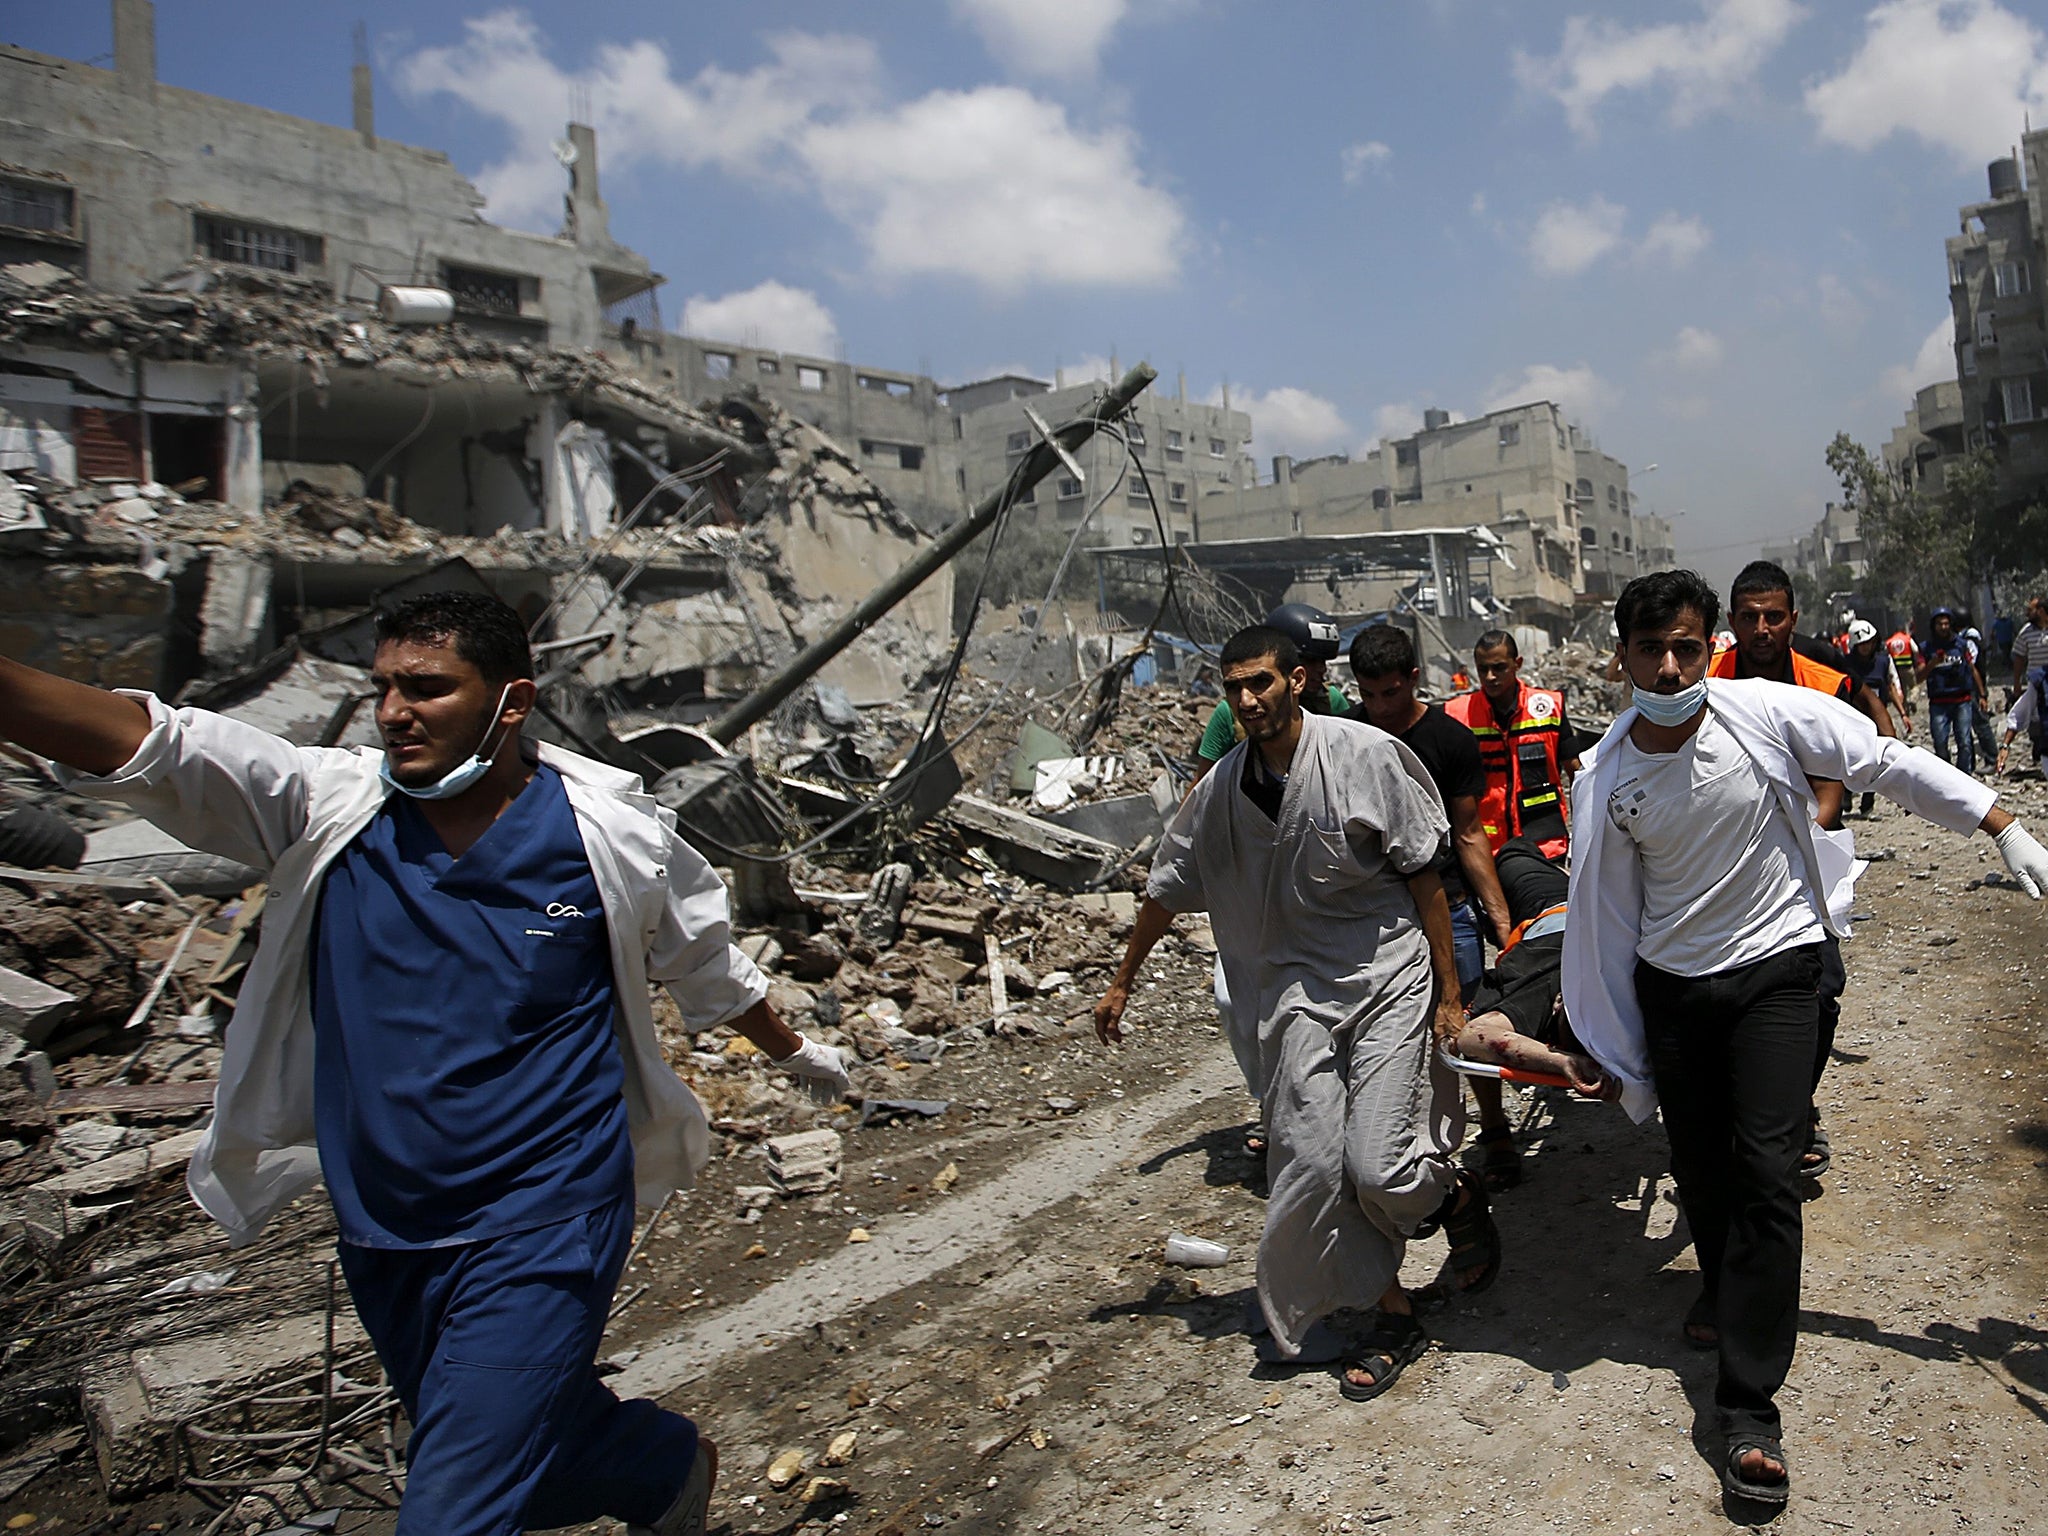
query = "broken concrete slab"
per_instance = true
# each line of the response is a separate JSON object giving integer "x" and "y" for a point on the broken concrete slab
{"x": 31, "y": 1009}
{"x": 55, "y": 1210}
{"x": 805, "y": 1163}
{"x": 1040, "y": 850}
{"x": 1126, "y": 820}
{"x": 133, "y": 1409}
{"x": 138, "y": 849}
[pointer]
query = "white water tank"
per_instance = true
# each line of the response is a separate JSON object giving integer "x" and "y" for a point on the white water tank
{"x": 402, "y": 304}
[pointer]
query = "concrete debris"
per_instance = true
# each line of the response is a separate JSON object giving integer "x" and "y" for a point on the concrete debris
{"x": 1579, "y": 672}
{"x": 29, "y": 1008}
{"x": 806, "y": 1163}
{"x": 135, "y": 1405}
{"x": 137, "y": 850}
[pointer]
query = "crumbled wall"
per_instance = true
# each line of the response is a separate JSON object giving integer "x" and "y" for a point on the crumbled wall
{"x": 101, "y": 624}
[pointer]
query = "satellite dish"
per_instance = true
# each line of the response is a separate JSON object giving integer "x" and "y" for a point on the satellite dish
{"x": 565, "y": 152}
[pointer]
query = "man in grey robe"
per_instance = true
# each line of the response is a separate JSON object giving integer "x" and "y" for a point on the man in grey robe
{"x": 1310, "y": 846}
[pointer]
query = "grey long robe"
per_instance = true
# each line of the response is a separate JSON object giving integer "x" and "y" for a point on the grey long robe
{"x": 1331, "y": 999}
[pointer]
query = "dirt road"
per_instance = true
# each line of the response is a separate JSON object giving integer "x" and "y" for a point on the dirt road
{"x": 1011, "y": 1354}
{"x": 1061, "y": 1378}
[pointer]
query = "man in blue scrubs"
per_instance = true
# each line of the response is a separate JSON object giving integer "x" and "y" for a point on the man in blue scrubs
{"x": 469, "y": 928}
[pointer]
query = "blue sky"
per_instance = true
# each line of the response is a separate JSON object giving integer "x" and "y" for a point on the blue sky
{"x": 1713, "y": 227}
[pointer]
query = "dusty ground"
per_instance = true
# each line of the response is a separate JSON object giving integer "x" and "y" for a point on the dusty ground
{"x": 1015, "y": 1356}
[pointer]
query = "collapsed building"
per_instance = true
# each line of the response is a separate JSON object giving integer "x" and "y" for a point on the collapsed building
{"x": 223, "y": 431}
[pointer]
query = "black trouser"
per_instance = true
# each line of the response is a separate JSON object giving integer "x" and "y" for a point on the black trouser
{"x": 1733, "y": 1058}
{"x": 1834, "y": 981}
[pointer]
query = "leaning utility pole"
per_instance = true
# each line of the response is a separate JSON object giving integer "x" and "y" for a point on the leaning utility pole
{"x": 1041, "y": 461}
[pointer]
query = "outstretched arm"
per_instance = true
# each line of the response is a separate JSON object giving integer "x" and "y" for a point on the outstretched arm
{"x": 1153, "y": 922}
{"x": 82, "y": 727}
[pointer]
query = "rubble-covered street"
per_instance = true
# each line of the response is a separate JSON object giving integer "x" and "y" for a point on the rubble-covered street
{"x": 787, "y": 680}
{"x": 978, "y": 1298}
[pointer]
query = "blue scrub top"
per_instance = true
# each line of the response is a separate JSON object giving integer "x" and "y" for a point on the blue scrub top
{"x": 467, "y": 1083}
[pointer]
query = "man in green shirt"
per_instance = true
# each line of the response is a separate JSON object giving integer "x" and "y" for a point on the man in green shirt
{"x": 1314, "y": 634}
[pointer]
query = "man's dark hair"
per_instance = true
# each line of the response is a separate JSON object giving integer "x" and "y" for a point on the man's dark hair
{"x": 1497, "y": 640}
{"x": 1758, "y": 577}
{"x": 1655, "y": 601}
{"x": 1379, "y": 649}
{"x": 1256, "y": 642}
{"x": 486, "y": 632}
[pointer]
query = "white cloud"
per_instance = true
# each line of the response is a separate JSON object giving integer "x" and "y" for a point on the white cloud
{"x": 1570, "y": 237}
{"x": 1934, "y": 362}
{"x": 997, "y": 185}
{"x": 1359, "y": 159}
{"x": 1956, "y": 73}
{"x": 1674, "y": 239}
{"x": 503, "y": 70}
{"x": 771, "y": 314}
{"x": 1695, "y": 350}
{"x": 1478, "y": 205}
{"x": 1581, "y": 392}
{"x": 1696, "y": 65}
{"x": 993, "y": 184}
{"x": 1290, "y": 421}
{"x": 1044, "y": 37}
{"x": 1401, "y": 418}
{"x": 1092, "y": 368}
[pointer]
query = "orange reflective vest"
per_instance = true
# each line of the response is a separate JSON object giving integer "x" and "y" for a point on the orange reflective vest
{"x": 1524, "y": 786}
{"x": 1806, "y": 674}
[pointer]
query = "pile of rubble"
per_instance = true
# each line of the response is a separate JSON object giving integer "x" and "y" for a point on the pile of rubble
{"x": 209, "y": 311}
{"x": 1579, "y": 672}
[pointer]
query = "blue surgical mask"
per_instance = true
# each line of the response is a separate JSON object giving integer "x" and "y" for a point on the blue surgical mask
{"x": 457, "y": 779}
{"x": 1671, "y": 708}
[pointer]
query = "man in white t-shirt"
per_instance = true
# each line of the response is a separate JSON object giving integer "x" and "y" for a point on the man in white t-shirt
{"x": 1701, "y": 892}
{"x": 2030, "y": 645}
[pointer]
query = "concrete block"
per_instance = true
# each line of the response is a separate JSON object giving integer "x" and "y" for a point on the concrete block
{"x": 31, "y": 1009}
{"x": 805, "y": 1163}
{"x": 133, "y": 1408}
{"x": 54, "y": 1211}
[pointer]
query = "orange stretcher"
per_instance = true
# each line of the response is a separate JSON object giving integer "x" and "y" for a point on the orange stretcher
{"x": 1503, "y": 1074}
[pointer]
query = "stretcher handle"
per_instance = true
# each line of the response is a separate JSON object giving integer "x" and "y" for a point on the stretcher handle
{"x": 1504, "y": 1074}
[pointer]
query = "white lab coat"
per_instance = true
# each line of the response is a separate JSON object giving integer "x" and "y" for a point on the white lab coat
{"x": 1791, "y": 732}
{"x": 234, "y": 790}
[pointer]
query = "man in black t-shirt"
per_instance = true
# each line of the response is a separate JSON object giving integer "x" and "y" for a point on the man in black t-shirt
{"x": 1383, "y": 664}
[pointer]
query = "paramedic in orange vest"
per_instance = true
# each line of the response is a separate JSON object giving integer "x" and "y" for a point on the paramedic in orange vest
{"x": 1765, "y": 619}
{"x": 1525, "y": 742}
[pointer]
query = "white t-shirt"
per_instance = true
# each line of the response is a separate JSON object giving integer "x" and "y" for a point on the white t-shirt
{"x": 1724, "y": 882}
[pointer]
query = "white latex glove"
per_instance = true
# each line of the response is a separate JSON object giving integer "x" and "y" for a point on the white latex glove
{"x": 2027, "y": 859}
{"x": 823, "y": 1071}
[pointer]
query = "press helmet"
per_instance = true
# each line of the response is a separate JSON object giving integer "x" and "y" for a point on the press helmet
{"x": 1313, "y": 631}
{"x": 1862, "y": 630}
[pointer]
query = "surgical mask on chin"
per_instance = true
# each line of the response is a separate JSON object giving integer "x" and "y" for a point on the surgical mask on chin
{"x": 457, "y": 779}
{"x": 1671, "y": 708}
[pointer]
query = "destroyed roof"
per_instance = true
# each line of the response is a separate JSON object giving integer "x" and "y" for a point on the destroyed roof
{"x": 209, "y": 311}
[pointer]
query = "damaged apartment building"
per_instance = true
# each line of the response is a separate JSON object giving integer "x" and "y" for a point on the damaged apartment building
{"x": 1548, "y": 512}
{"x": 256, "y": 370}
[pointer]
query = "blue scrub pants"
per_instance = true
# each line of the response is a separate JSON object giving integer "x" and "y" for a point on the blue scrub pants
{"x": 491, "y": 1347}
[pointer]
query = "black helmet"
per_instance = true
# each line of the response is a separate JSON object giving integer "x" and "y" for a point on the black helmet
{"x": 1313, "y": 631}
